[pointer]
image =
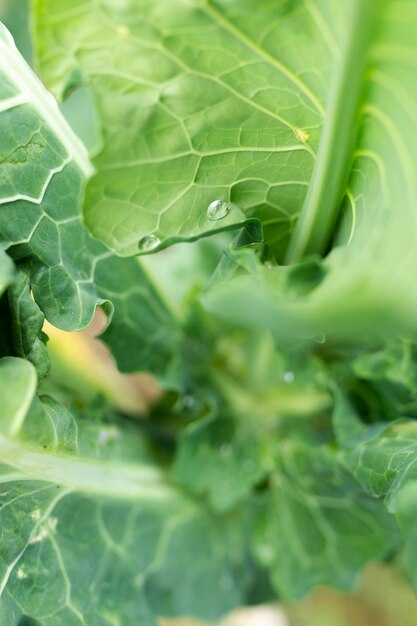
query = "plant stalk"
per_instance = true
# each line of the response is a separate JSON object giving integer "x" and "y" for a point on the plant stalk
{"x": 331, "y": 172}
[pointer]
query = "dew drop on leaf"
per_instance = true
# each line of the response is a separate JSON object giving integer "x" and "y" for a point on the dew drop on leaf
{"x": 149, "y": 242}
{"x": 217, "y": 210}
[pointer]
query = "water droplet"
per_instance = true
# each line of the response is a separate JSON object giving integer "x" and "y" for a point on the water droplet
{"x": 148, "y": 242}
{"x": 320, "y": 338}
{"x": 217, "y": 210}
{"x": 289, "y": 377}
{"x": 268, "y": 265}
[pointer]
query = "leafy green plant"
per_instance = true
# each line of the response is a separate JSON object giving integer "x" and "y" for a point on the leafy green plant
{"x": 280, "y": 138}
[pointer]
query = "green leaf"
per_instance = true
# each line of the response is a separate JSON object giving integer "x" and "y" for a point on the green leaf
{"x": 145, "y": 332}
{"x": 218, "y": 458}
{"x": 17, "y": 388}
{"x": 300, "y": 115}
{"x": 384, "y": 461}
{"x": 26, "y": 324}
{"x": 44, "y": 168}
{"x": 197, "y": 104}
{"x": 206, "y": 72}
{"x": 92, "y": 532}
{"x": 43, "y": 171}
{"x": 317, "y": 526}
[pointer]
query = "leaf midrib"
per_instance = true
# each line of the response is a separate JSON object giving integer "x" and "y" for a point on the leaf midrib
{"x": 117, "y": 480}
{"x": 331, "y": 171}
{"x": 29, "y": 86}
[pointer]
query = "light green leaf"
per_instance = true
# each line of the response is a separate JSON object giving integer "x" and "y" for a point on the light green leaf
{"x": 17, "y": 388}
{"x": 207, "y": 101}
{"x": 317, "y": 526}
{"x": 385, "y": 461}
{"x": 207, "y": 71}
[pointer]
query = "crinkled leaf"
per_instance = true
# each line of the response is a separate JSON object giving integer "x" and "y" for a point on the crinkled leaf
{"x": 42, "y": 178}
{"x": 91, "y": 532}
{"x": 385, "y": 460}
{"x": 218, "y": 458}
{"x": 26, "y": 324}
{"x": 317, "y": 526}
{"x": 44, "y": 168}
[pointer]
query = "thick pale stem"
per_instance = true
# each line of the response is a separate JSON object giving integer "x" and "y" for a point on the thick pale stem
{"x": 331, "y": 172}
{"x": 106, "y": 478}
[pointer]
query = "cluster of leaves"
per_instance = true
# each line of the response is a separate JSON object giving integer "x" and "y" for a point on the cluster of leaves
{"x": 283, "y": 454}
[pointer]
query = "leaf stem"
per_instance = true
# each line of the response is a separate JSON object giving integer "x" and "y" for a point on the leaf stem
{"x": 331, "y": 172}
{"x": 101, "y": 477}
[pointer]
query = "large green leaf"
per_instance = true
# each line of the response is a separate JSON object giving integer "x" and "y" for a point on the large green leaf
{"x": 43, "y": 169}
{"x": 43, "y": 172}
{"x": 198, "y": 102}
{"x": 254, "y": 103}
{"x": 91, "y": 533}
{"x": 220, "y": 460}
